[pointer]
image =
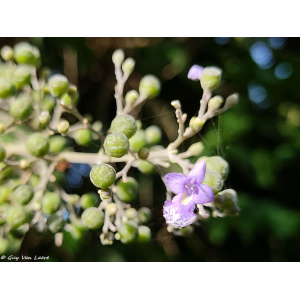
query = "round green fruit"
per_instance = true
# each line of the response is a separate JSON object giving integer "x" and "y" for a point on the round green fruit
{"x": 22, "y": 76}
{"x": 89, "y": 200}
{"x": 50, "y": 203}
{"x": 144, "y": 214}
{"x": 7, "y": 53}
{"x": 145, "y": 166}
{"x": 17, "y": 216}
{"x": 77, "y": 230}
{"x": 92, "y": 218}
{"x": 103, "y": 176}
{"x": 25, "y": 53}
{"x": 131, "y": 213}
{"x": 153, "y": 135}
{"x": 83, "y": 137}
{"x": 124, "y": 124}
{"x": 48, "y": 103}
{"x": 143, "y": 153}
{"x": 218, "y": 164}
{"x": 4, "y": 193}
{"x": 3, "y": 246}
{"x": 55, "y": 223}
{"x": 116, "y": 145}
{"x": 21, "y": 108}
{"x": 58, "y": 85}
{"x": 127, "y": 191}
{"x": 66, "y": 99}
{"x": 57, "y": 143}
{"x": 214, "y": 180}
{"x": 38, "y": 145}
{"x": 2, "y": 153}
{"x": 144, "y": 235}
{"x": 7, "y": 88}
{"x": 138, "y": 141}
{"x": 23, "y": 194}
{"x": 128, "y": 232}
{"x": 149, "y": 86}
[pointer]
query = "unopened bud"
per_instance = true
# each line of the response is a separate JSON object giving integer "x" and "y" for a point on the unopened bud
{"x": 128, "y": 66}
{"x": 176, "y": 104}
{"x": 149, "y": 86}
{"x": 214, "y": 103}
{"x": 105, "y": 193}
{"x": 227, "y": 202}
{"x": 63, "y": 126}
{"x": 45, "y": 117}
{"x": 143, "y": 153}
{"x": 131, "y": 97}
{"x": 196, "y": 123}
{"x": 232, "y": 100}
{"x": 111, "y": 208}
{"x": 118, "y": 57}
{"x": 24, "y": 164}
{"x": 196, "y": 149}
{"x": 7, "y": 53}
{"x": 131, "y": 213}
{"x": 138, "y": 124}
{"x": 210, "y": 78}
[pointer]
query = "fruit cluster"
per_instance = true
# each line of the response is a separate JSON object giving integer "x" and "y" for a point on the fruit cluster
{"x": 34, "y": 153}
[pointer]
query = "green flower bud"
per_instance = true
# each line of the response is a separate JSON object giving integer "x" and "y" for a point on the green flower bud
{"x": 92, "y": 218}
{"x": 51, "y": 203}
{"x": 153, "y": 135}
{"x": 144, "y": 236}
{"x": 103, "y": 176}
{"x": 145, "y": 166}
{"x": 57, "y": 143}
{"x": 143, "y": 153}
{"x": 107, "y": 238}
{"x": 227, "y": 202}
{"x": 77, "y": 230}
{"x": 3, "y": 246}
{"x": 138, "y": 141}
{"x": 131, "y": 97}
{"x": 127, "y": 191}
{"x": 214, "y": 180}
{"x": 214, "y": 103}
{"x": 7, "y": 53}
{"x": 97, "y": 126}
{"x": 105, "y": 194}
{"x": 25, "y": 53}
{"x": 156, "y": 148}
{"x": 7, "y": 88}
{"x": 128, "y": 232}
{"x": 21, "y": 108}
{"x": 24, "y": 164}
{"x": 22, "y": 76}
{"x": 38, "y": 145}
{"x": 144, "y": 214}
{"x": 2, "y": 153}
{"x": 128, "y": 66}
{"x": 34, "y": 180}
{"x": 83, "y": 137}
{"x": 196, "y": 149}
{"x": 2, "y": 127}
{"x": 55, "y": 223}
{"x": 23, "y": 194}
{"x": 210, "y": 78}
{"x": 116, "y": 144}
{"x": 196, "y": 124}
{"x": 66, "y": 99}
{"x": 176, "y": 104}
{"x": 4, "y": 194}
{"x": 17, "y": 216}
{"x": 73, "y": 198}
{"x": 48, "y": 103}
{"x": 131, "y": 213}
{"x": 63, "y": 126}
{"x": 89, "y": 200}
{"x": 58, "y": 85}
{"x": 124, "y": 124}
{"x": 218, "y": 164}
{"x": 149, "y": 86}
{"x": 45, "y": 117}
{"x": 111, "y": 209}
{"x": 118, "y": 57}
{"x": 232, "y": 100}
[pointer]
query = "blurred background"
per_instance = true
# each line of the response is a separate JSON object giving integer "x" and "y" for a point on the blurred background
{"x": 260, "y": 138}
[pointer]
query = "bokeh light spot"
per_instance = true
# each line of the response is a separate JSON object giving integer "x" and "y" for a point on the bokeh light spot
{"x": 283, "y": 70}
{"x": 262, "y": 55}
{"x": 277, "y": 42}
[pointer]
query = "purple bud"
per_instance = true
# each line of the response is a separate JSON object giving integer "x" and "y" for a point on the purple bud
{"x": 195, "y": 72}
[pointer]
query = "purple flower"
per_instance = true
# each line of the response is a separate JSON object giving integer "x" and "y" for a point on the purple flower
{"x": 190, "y": 191}
{"x": 195, "y": 72}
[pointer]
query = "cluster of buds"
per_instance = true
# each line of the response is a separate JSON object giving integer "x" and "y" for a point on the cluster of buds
{"x": 32, "y": 166}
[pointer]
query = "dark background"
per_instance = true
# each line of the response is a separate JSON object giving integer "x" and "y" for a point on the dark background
{"x": 260, "y": 139}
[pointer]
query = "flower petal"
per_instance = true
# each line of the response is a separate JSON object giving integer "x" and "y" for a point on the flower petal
{"x": 195, "y": 72}
{"x": 177, "y": 214}
{"x": 198, "y": 172}
{"x": 204, "y": 194}
{"x": 176, "y": 182}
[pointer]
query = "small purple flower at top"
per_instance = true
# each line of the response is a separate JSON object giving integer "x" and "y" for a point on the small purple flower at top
{"x": 195, "y": 73}
{"x": 190, "y": 191}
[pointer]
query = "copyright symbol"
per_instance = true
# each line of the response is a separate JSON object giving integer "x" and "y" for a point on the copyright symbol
{"x": 3, "y": 257}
